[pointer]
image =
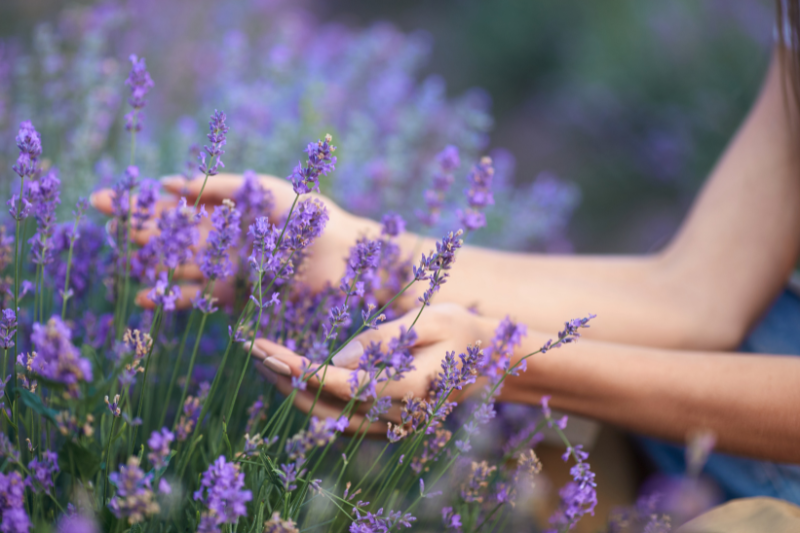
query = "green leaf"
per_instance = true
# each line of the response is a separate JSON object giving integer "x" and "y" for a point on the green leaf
{"x": 33, "y": 402}
{"x": 86, "y": 461}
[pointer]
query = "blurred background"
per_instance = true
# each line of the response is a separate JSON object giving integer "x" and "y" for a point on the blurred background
{"x": 604, "y": 118}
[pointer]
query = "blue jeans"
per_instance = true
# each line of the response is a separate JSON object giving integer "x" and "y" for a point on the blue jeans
{"x": 739, "y": 477}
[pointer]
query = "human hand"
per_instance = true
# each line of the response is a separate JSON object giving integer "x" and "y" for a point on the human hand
{"x": 328, "y": 250}
{"x": 440, "y": 329}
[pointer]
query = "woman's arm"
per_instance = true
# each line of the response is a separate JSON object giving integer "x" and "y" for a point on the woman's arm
{"x": 730, "y": 258}
{"x": 749, "y": 401}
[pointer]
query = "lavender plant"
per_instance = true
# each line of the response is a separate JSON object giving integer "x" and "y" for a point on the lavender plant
{"x": 117, "y": 419}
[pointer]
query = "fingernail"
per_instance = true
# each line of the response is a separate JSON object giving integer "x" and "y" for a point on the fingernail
{"x": 258, "y": 352}
{"x": 172, "y": 181}
{"x": 349, "y": 355}
{"x": 277, "y": 366}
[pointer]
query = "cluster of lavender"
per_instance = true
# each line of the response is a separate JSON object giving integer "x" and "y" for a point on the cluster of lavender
{"x": 119, "y": 412}
{"x": 284, "y": 78}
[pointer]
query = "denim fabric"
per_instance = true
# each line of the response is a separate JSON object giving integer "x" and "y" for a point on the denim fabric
{"x": 778, "y": 333}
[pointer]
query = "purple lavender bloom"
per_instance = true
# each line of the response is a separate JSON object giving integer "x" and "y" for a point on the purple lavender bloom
{"x": 145, "y": 203}
{"x": 46, "y": 197}
{"x": 378, "y": 522}
{"x": 479, "y": 195}
{"x": 158, "y": 443}
{"x": 12, "y": 504}
{"x": 321, "y": 161}
{"x": 19, "y": 208}
{"x": 214, "y": 260}
{"x": 307, "y": 223}
{"x": 252, "y": 199}
{"x": 42, "y": 472}
{"x": 30, "y": 148}
{"x": 178, "y": 233}
{"x": 578, "y": 497}
{"x": 76, "y": 522}
{"x": 379, "y": 408}
{"x": 222, "y": 492}
{"x": 448, "y": 161}
{"x": 361, "y": 266}
{"x": 217, "y": 132}
{"x": 140, "y": 82}
{"x": 392, "y": 225}
{"x": 434, "y": 267}
{"x": 570, "y": 332}
{"x": 57, "y": 359}
{"x": 450, "y": 519}
{"x": 163, "y": 294}
{"x": 134, "y": 499}
{"x": 8, "y": 328}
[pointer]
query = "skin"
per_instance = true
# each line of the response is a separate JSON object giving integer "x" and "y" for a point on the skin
{"x": 654, "y": 360}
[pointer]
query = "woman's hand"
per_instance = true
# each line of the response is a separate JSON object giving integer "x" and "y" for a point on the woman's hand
{"x": 440, "y": 329}
{"x": 328, "y": 251}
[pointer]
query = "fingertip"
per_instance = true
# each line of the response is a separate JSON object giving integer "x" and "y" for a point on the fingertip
{"x": 173, "y": 183}
{"x": 143, "y": 301}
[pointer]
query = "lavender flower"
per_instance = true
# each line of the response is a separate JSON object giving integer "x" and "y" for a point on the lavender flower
{"x": 277, "y": 525}
{"x": 448, "y": 161}
{"x": 479, "y": 195}
{"x": 163, "y": 294}
{"x": 222, "y": 492}
{"x": 570, "y": 333}
{"x": 252, "y": 199}
{"x": 8, "y": 328}
{"x": 12, "y": 504}
{"x": 434, "y": 267}
{"x": 46, "y": 197}
{"x": 578, "y": 497}
{"x": 30, "y": 148}
{"x": 392, "y": 225}
{"x": 57, "y": 358}
{"x": 76, "y": 522}
{"x": 140, "y": 82}
{"x": 361, "y": 266}
{"x": 145, "y": 203}
{"x": 450, "y": 519}
{"x": 217, "y": 137}
{"x": 373, "y": 522}
{"x": 134, "y": 498}
{"x": 475, "y": 488}
{"x": 42, "y": 472}
{"x": 321, "y": 161}
{"x": 214, "y": 260}
{"x": 306, "y": 224}
{"x": 191, "y": 412}
{"x": 159, "y": 447}
{"x": 178, "y": 233}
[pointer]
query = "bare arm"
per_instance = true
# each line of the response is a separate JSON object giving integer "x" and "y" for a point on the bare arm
{"x": 730, "y": 258}
{"x": 749, "y": 401}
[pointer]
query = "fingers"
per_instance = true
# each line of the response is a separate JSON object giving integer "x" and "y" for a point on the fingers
{"x": 327, "y": 407}
{"x": 223, "y": 292}
{"x": 284, "y": 362}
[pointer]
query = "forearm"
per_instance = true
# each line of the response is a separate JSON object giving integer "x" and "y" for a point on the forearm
{"x": 634, "y": 297}
{"x": 748, "y": 401}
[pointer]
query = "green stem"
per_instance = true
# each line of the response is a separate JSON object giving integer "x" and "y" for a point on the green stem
{"x": 191, "y": 367}
{"x": 175, "y": 369}
{"x": 64, "y": 296}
